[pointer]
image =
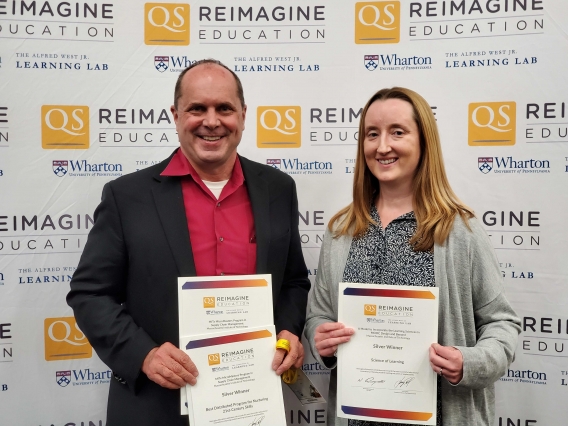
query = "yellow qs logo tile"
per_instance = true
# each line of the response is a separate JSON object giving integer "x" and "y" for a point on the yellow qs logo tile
{"x": 213, "y": 359}
{"x": 64, "y": 127}
{"x": 377, "y": 22}
{"x": 64, "y": 340}
{"x": 166, "y": 24}
{"x": 208, "y": 302}
{"x": 370, "y": 310}
{"x": 492, "y": 123}
{"x": 279, "y": 127}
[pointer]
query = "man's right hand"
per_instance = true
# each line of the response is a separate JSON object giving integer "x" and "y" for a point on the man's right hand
{"x": 329, "y": 335}
{"x": 170, "y": 367}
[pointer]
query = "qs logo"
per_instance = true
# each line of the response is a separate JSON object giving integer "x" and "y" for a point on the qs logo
{"x": 213, "y": 359}
{"x": 279, "y": 127}
{"x": 64, "y": 340}
{"x": 166, "y": 23}
{"x": 64, "y": 127}
{"x": 208, "y": 302}
{"x": 370, "y": 310}
{"x": 377, "y": 22}
{"x": 492, "y": 123}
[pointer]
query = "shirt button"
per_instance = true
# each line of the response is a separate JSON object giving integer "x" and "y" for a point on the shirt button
{"x": 218, "y": 204}
{"x": 222, "y": 273}
{"x": 221, "y": 239}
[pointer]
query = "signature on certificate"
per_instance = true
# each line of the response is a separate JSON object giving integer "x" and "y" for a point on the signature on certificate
{"x": 257, "y": 421}
{"x": 403, "y": 382}
{"x": 371, "y": 381}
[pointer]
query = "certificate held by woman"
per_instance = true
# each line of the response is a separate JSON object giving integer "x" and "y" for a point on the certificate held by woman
{"x": 384, "y": 372}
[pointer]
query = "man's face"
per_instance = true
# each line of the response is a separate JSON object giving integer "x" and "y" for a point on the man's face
{"x": 209, "y": 119}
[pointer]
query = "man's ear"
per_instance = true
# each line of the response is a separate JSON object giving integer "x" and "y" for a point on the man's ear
{"x": 173, "y": 110}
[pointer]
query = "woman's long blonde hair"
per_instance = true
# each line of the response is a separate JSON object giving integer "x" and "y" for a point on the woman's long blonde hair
{"x": 435, "y": 204}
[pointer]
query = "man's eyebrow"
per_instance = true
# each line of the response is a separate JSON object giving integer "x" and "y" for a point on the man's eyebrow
{"x": 223, "y": 104}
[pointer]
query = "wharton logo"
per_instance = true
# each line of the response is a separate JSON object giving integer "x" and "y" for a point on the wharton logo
{"x": 525, "y": 376}
{"x": 63, "y": 378}
{"x": 172, "y": 63}
{"x": 83, "y": 168}
{"x": 370, "y": 310}
{"x": 161, "y": 63}
{"x": 293, "y": 166}
{"x": 60, "y": 167}
{"x": 492, "y": 123}
{"x": 166, "y": 24}
{"x": 64, "y": 127}
{"x": 394, "y": 62}
{"x": 485, "y": 164}
{"x": 510, "y": 165}
{"x": 371, "y": 62}
{"x": 82, "y": 377}
{"x": 274, "y": 162}
{"x": 279, "y": 127}
{"x": 377, "y": 22}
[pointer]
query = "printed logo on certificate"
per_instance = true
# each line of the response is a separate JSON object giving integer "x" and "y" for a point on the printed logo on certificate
{"x": 394, "y": 328}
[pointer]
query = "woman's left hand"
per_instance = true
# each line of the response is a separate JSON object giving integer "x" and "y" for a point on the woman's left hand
{"x": 447, "y": 361}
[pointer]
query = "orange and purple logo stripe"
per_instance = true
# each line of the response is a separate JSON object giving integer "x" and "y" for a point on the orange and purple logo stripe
{"x": 223, "y": 340}
{"x": 196, "y": 285}
{"x": 407, "y": 294}
{"x": 386, "y": 414}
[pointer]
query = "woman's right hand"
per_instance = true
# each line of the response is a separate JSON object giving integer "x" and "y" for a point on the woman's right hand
{"x": 329, "y": 335}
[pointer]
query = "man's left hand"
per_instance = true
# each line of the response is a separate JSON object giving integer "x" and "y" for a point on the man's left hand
{"x": 284, "y": 360}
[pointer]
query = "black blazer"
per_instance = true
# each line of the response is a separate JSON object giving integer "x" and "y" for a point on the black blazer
{"x": 124, "y": 291}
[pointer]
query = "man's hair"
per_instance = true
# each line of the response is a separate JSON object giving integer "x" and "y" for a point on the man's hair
{"x": 177, "y": 91}
{"x": 435, "y": 204}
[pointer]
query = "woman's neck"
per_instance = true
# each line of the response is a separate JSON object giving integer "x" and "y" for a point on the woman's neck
{"x": 393, "y": 203}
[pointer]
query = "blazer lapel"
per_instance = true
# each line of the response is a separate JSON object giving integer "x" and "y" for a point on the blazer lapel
{"x": 258, "y": 193}
{"x": 171, "y": 210}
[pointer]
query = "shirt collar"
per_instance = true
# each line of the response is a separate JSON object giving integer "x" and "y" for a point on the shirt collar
{"x": 179, "y": 165}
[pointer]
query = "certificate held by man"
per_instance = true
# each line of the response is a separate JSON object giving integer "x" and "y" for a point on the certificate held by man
{"x": 221, "y": 303}
{"x": 211, "y": 304}
{"x": 384, "y": 371}
{"x": 236, "y": 384}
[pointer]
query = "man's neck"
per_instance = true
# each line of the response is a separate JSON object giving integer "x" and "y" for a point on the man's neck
{"x": 215, "y": 173}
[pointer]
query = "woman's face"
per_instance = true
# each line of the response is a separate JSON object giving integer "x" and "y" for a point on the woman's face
{"x": 392, "y": 143}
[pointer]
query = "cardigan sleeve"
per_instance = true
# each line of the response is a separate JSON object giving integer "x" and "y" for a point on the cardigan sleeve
{"x": 322, "y": 304}
{"x": 496, "y": 324}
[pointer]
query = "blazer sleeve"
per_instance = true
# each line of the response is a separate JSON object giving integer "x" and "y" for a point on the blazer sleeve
{"x": 97, "y": 295}
{"x": 291, "y": 304}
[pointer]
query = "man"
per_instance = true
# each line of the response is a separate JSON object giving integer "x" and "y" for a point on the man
{"x": 203, "y": 211}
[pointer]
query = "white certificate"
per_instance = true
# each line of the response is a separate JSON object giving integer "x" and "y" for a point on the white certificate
{"x": 384, "y": 371}
{"x": 211, "y": 304}
{"x": 236, "y": 384}
{"x": 219, "y": 303}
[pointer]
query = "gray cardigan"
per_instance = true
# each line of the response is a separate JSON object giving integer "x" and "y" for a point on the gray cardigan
{"x": 474, "y": 316}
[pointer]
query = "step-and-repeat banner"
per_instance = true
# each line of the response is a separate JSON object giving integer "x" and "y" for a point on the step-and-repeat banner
{"x": 86, "y": 88}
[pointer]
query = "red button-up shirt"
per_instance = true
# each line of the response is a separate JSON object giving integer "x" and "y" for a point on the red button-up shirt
{"x": 221, "y": 230}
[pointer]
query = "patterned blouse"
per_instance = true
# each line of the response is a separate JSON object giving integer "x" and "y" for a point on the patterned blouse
{"x": 384, "y": 256}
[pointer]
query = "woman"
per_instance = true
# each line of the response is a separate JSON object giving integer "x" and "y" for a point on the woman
{"x": 406, "y": 226}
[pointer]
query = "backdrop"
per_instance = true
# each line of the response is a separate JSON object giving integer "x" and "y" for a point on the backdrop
{"x": 86, "y": 88}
